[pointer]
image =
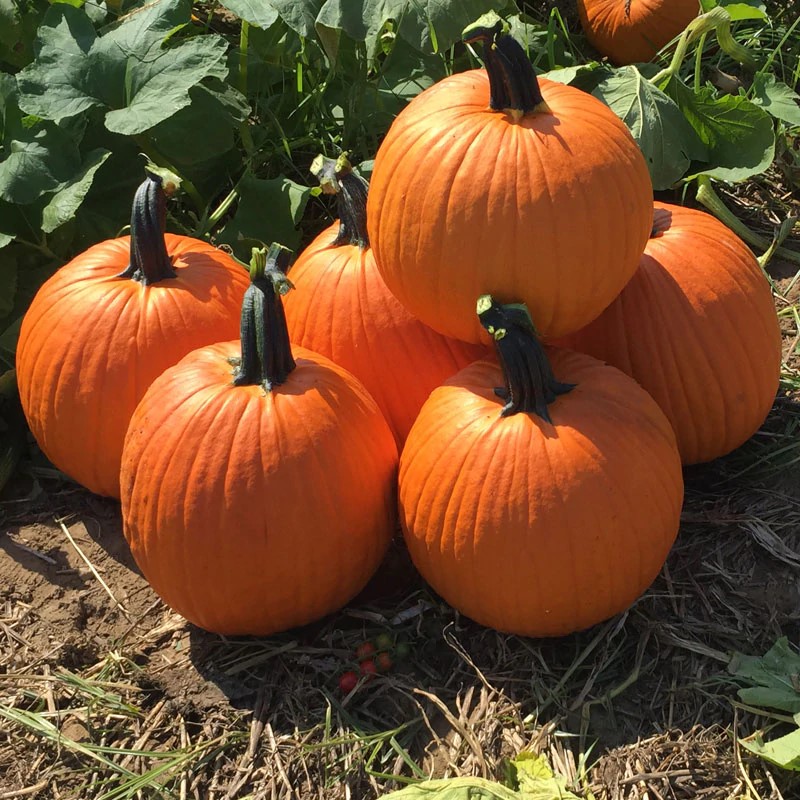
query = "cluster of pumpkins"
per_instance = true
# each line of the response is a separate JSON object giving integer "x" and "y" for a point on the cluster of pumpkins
{"x": 503, "y": 343}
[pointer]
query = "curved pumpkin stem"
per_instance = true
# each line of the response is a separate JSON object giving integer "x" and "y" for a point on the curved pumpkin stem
{"x": 149, "y": 261}
{"x": 513, "y": 86}
{"x": 530, "y": 383}
{"x": 267, "y": 358}
{"x": 336, "y": 176}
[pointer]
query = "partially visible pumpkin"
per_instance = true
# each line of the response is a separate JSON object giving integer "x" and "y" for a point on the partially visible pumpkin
{"x": 548, "y": 505}
{"x": 101, "y": 329}
{"x": 696, "y": 326}
{"x": 343, "y": 310}
{"x": 630, "y": 31}
{"x": 258, "y": 481}
{"x": 494, "y": 181}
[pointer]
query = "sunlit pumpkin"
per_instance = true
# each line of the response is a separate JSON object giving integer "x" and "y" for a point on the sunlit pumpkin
{"x": 544, "y": 506}
{"x": 258, "y": 480}
{"x": 343, "y": 310}
{"x": 696, "y": 326}
{"x": 109, "y": 322}
{"x": 494, "y": 181}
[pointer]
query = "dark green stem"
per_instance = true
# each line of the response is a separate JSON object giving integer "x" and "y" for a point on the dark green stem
{"x": 513, "y": 86}
{"x": 266, "y": 351}
{"x": 149, "y": 260}
{"x": 337, "y": 177}
{"x": 530, "y": 383}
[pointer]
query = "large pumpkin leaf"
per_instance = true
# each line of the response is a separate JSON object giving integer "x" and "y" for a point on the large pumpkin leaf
{"x": 428, "y": 25}
{"x": 783, "y": 752}
{"x": 776, "y": 98}
{"x": 268, "y": 211}
{"x": 773, "y": 679}
{"x": 256, "y": 12}
{"x": 531, "y": 776}
{"x": 739, "y": 136}
{"x": 129, "y": 71}
{"x": 64, "y": 203}
{"x": 666, "y": 139}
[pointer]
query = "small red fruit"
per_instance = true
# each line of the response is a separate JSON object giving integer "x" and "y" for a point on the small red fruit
{"x": 348, "y": 681}
{"x": 365, "y": 650}
{"x": 384, "y": 661}
{"x": 368, "y": 668}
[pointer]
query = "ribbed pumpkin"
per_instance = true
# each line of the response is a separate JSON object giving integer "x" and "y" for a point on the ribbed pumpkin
{"x": 101, "y": 329}
{"x": 343, "y": 310}
{"x": 494, "y": 182}
{"x": 258, "y": 485}
{"x": 629, "y": 31}
{"x": 697, "y": 328}
{"x": 552, "y": 512}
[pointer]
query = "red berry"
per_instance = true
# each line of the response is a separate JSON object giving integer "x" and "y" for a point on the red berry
{"x": 348, "y": 681}
{"x": 365, "y": 650}
{"x": 384, "y": 641}
{"x": 368, "y": 668}
{"x": 384, "y": 661}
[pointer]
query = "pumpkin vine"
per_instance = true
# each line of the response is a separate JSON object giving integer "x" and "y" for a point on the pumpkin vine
{"x": 266, "y": 350}
{"x": 530, "y": 383}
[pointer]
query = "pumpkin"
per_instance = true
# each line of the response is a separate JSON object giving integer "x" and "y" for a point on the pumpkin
{"x": 343, "y": 310}
{"x": 106, "y": 324}
{"x": 492, "y": 181}
{"x": 629, "y": 31}
{"x": 547, "y": 505}
{"x": 258, "y": 480}
{"x": 697, "y": 328}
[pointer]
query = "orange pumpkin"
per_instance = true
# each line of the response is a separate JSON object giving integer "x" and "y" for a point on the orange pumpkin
{"x": 697, "y": 328}
{"x": 101, "y": 329}
{"x": 629, "y": 31}
{"x": 492, "y": 181}
{"x": 343, "y": 310}
{"x": 258, "y": 484}
{"x": 547, "y": 506}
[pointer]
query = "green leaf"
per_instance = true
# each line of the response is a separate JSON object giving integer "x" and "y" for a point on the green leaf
{"x": 583, "y": 76}
{"x": 42, "y": 158}
{"x": 65, "y": 202}
{"x": 430, "y": 26}
{"x": 739, "y": 136}
{"x": 268, "y": 211}
{"x": 299, "y": 15}
{"x": 666, "y": 139}
{"x": 455, "y": 789}
{"x": 783, "y": 752}
{"x": 774, "y": 678}
{"x": 738, "y": 9}
{"x": 128, "y": 71}
{"x": 536, "y": 780}
{"x": 776, "y": 98}
{"x": 530, "y": 774}
{"x": 256, "y": 12}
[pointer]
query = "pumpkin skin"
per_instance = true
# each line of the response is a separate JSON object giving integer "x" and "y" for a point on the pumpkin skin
{"x": 630, "y": 31}
{"x": 697, "y": 328}
{"x": 562, "y": 200}
{"x": 253, "y": 510}
{"x": 92, "y": 342}
{"x": 343, "y": 310}
{"x": 535, "y": 528}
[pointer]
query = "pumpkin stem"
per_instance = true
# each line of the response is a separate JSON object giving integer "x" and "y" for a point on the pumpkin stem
{"x": 336, "y": 176}
{"x": 149, "y": 261}
{"x": 513, "y": 86}
{"x": 530, "y": 383}
{"x": 266, "y": 351}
